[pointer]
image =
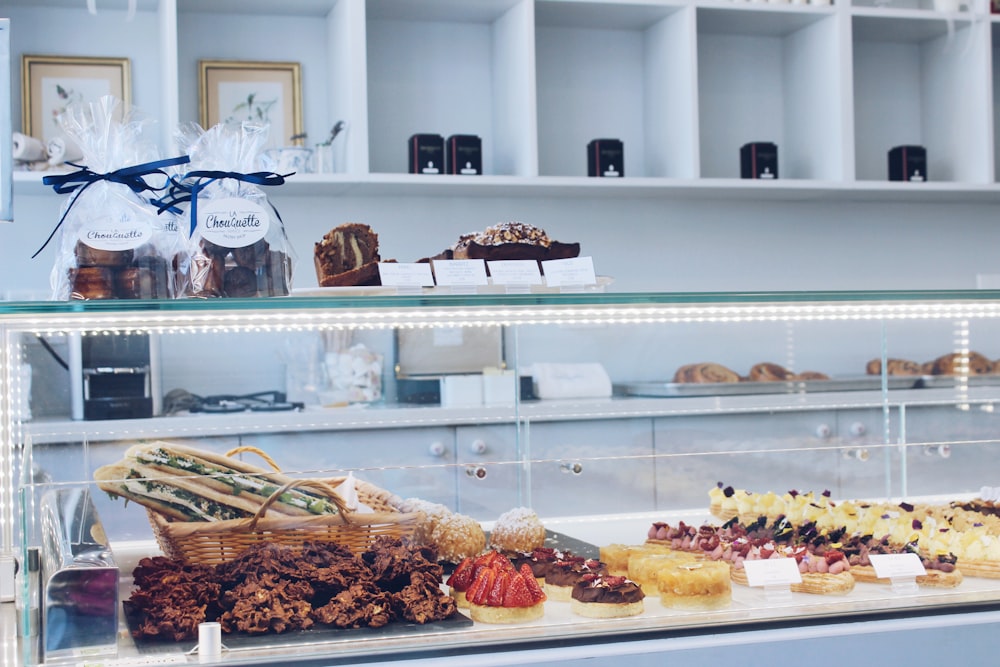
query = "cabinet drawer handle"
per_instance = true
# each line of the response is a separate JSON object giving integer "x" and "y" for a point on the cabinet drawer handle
{"x": 823, "y": 431}
{"x": 476, "y": 472}
{"x": 571, "y": 467}
{"x": 857, "y": 453}
{"x": 478, "y": 446}
{"x": 436, "y": 449}
{"x": 944, "y": 451}
{"x": 858, "y": 429}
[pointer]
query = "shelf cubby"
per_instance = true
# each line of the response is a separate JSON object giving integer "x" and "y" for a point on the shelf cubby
{"x": 770, "y": 74}
{"x": 615, "y": 70}
{"x": 920, "y": 80}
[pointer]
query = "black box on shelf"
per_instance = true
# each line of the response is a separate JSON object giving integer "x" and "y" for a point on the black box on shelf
{"x": 426, "y": 154}
{"x": 759, "y": 159}
{"x": 908, "y": 163}
{"x": 464, "y": 155}
{"x": 606, "y": 158}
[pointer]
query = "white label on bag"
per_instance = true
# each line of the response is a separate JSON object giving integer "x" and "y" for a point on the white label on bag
{"x": 108, "y": 234}
{"x": 232, "y": 222}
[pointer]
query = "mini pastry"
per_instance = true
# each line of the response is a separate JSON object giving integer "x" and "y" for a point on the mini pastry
{"x": 769, "y": 372}
{"x": 566, "y": 573}
{"x": 894, "y": 367}
{"x": 238, "y": 282}
{"x": 253, "y": 255}
{"x": 518, "y": 531}
{"x": 606, "y": 596}
{"x": 499, "y": 593}
{"x": 90, "y": 256}
{"x": 811, "y": 375}
{"x": 644, "y": 566}
{"x": 962, "y": 363}
{"x": 540, "y": 561}
{"x": 465, "y": 572}
{"x": 274, "y": 277}
{"x": 695, "y": 585}
{"x": 705, "y": 372}
{"x": 147, "y": 279}
{"x": 91, "y": 282}
{"x": 456, "y": 536}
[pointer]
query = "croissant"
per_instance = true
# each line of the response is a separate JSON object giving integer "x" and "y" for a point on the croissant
{"x": 705, "y": 372}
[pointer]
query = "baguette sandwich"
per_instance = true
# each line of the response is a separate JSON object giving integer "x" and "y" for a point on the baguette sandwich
{"x": 188, "y": 484}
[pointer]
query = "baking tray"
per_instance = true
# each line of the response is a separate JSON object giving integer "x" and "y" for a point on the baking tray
{"x": 951, "y": 381}
{"x": 684, "y": 389}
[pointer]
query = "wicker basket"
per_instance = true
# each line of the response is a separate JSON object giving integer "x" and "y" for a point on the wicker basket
{"x": 214, "y": 542}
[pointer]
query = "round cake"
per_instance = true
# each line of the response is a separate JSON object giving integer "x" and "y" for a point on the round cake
{"x": 644, "y": 567}
{"x": 615, "y": 556}
{"x": 695, "y": 585}
{"x": 518, "y": 531}
{"x": 564, "y": 574}
{"x": 606, "y": 596}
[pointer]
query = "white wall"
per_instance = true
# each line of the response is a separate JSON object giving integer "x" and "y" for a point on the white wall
{"x": 644, "y": 244}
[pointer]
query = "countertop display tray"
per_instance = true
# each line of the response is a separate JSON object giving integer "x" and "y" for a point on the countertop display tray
{"x": 241, "y": 640}
{"x": 315, "y": 634}
{"x": 683, "y": 389}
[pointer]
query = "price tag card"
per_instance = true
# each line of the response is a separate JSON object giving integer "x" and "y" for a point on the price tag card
{"x": 572, "y": 271}
{"x": 772, "y": 572}
{"x": 403, "y": 274}
{"x": 460, "y": 272}
{"x": 897, "y": 566}
{"x": 515, "y": 272}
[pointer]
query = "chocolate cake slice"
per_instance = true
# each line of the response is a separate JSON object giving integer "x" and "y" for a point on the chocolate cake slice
{"x": 347, "y": 255}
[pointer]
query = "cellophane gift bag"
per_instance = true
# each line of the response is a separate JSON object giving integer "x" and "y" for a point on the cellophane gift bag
{"x": 111, "y": 241}
{"x": 237, "y": 243}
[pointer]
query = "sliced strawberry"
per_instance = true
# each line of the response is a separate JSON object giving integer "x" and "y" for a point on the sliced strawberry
{"x": 534, "y": 589}
{"x": 461, "y": 578}
{"x": 518, "y": 594}
{"x": 480, "y": 588}
{"x": 496, "y": 594}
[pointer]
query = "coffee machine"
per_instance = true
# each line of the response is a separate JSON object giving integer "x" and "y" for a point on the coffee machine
{"x": 114, "y": 376}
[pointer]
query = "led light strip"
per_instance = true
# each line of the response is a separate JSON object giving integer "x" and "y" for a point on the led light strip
{"x": 223, "y": 321}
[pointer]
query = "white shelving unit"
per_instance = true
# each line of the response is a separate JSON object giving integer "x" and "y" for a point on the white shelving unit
{"x": 683, "y": 84}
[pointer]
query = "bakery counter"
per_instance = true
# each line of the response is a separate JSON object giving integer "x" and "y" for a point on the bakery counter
{"x": 388, "y": 416}
{"x": 755, "y": 616}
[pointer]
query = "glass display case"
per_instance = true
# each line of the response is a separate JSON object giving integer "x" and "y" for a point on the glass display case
{"x": 584, "y": 415}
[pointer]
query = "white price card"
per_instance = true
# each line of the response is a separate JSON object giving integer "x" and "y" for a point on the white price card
{"x": 405, "y": 274}
{"x": 772, "y": 572}
{"x": 897, "y": 566}
{"x": 460, "y": 272}
{"x": 572, "y": 271}
{"x": 515, "y": 272}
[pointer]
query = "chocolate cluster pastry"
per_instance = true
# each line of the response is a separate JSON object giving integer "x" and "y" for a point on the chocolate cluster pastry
{"x": 249, "y": 271}
{"x": 273, "y": 589}
{"x": 120, "y": 274}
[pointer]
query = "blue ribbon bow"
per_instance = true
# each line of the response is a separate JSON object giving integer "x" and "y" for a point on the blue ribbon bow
{"x": 187, "y": 190}
{"x": 133, "y": 177}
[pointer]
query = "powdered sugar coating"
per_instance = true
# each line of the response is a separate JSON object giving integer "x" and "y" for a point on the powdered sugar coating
{"x": 518, "y": 530}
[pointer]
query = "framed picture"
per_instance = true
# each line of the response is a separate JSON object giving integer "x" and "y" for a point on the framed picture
{"x": 50, "y": 84}
{"x": 263, "y": 92}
